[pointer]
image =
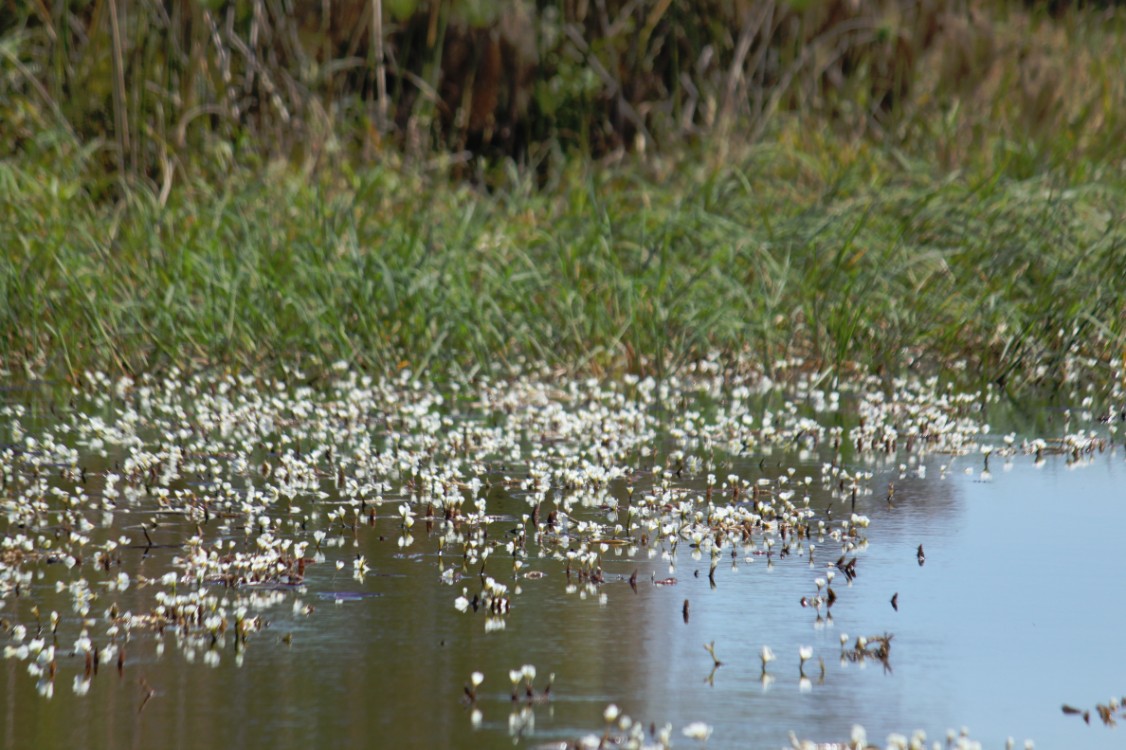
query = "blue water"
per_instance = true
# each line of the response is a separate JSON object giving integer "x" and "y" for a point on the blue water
{"x": 1016, "y": 611}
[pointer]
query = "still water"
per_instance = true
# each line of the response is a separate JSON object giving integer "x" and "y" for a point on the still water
{"x": 1016, "y": 609}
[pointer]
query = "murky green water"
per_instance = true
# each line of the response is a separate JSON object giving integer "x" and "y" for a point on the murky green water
{"x": 1016, "y": 610}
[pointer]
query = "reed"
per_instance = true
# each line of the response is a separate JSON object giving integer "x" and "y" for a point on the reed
{"x": 847, "y": 263}
{"x": 885, "y": 188}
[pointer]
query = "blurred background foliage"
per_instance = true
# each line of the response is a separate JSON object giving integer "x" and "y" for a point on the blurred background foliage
{"x": 155, "y": 90}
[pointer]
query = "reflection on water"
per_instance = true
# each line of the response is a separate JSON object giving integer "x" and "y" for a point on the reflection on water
{"x": 1016, "y": 611}
{"x": 1013, "y": 614}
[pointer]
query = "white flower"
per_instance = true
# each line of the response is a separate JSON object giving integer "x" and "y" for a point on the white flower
{"x": 697, "y": 730}
{"x": 46, "y": 656}
{"x": 611, "y": 713}
{"x": 476, "y": 678}
{"x": 16, "y": 652}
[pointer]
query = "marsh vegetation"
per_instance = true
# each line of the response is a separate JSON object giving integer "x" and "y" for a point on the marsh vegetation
{"x": 886, "y": 189}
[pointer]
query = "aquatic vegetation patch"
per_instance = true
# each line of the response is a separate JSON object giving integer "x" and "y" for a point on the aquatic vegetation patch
{"x": 204, "y": 512}
{"x": 855, "y": 266}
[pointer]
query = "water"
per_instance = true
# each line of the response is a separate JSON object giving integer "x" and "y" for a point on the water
{"x": 1016, "y": 611}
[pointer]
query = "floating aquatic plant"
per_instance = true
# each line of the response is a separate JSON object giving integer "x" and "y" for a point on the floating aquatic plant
{"x": 246, "y": 497}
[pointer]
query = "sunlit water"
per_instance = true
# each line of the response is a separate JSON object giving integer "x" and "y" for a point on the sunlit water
{"x": 1016, "y": 611}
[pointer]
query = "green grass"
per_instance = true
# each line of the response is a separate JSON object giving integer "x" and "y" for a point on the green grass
{"x": 889, "y": 188}
{"x": 850, "y": 258}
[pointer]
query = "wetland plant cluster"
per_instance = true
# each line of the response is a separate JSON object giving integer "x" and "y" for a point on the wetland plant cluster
{"x": 850, "y": 260}
{"x": 190, "y": 512}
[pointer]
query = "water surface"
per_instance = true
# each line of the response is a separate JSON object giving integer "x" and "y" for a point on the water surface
{"x": 1016, "y": 611}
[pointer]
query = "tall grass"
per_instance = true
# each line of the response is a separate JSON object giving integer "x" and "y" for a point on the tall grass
{"x": 892, "y": 186}
{"x": 773, "y": 255}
